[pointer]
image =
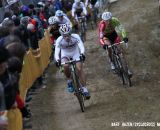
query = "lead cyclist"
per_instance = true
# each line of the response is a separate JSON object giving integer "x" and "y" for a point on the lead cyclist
{"x": 71, "y": 46}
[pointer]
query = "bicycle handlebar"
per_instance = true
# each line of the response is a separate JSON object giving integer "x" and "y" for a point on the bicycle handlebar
{"x": 70, "y": 62}
{"x": 109, "y": 46}
{"x": 83, "y": 16}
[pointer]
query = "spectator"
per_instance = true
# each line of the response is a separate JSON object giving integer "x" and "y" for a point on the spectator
{"x": 24, "y": 32}
{"x": 57, "y": 5}
{"x": 15, "y": 63}
{"x": 9, "y": 81}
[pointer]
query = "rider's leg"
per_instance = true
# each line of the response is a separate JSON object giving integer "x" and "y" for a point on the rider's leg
{"x": 82, "y": 79}
{"x": 81, "y": 74}
{"x": 107, "y": 42}
{"x": 67, "y": 73}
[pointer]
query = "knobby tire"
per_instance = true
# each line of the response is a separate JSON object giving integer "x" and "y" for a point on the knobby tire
{"x": 77, "y": 91}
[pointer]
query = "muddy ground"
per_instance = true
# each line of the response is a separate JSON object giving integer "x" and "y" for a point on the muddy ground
{"x": 54, "y": 108}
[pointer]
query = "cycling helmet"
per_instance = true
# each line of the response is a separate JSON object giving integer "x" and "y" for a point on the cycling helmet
{"x": 59, "y": 13}
{"x": 52, "y": 20}
{"x": 40, "y": 4}
{"x": 77, "y": 1}
{"x": 65, "y": 29}
{"x": 25, "y": 20}
{"x": 10, "y": 2}
{"x": 30, "y": 27}
{"x": 106, "y": 15}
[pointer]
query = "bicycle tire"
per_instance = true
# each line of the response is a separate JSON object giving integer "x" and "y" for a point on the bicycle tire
{"x": 78, "y": 92}
{"x": 95, "y": 13}
{"x": 125, "y": 73}
{"x": 83, "y": 32}
{"x": 127, "y": 79}
{"x": 118, "y": 68}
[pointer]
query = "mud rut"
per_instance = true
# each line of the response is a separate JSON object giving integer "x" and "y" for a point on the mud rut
{"x": 54, "y": 108}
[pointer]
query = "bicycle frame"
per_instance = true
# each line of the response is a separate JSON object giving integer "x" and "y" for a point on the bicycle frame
{"x": 119, "y": 63}
{"x": 76, "y": 83}
{"x": 81, "y": 22}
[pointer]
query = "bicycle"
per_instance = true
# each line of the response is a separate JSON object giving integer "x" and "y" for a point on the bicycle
{"x": 121, "y": 67}
{"x": 82, "y": 28}
{"x": 76, "y": 83}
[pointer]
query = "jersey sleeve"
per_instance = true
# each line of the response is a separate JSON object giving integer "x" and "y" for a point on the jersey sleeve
{"x": 84, "y": 9}
{"x": 73, "y": 9}
{"x": 86, "y": 3}
{"x": 101, "y": 29}
{"x": 80, "y": 43}
{"x": 57, "y": 49}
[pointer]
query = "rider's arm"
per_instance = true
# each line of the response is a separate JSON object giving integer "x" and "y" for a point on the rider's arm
{"x": 73, "y": 9}
{"x": 86, "y": 3}
{"x": 57, "y": 49}
{"x": 80, "y": 43}
{"x": 84, "y": 8}
{"x": 101, "y": 33}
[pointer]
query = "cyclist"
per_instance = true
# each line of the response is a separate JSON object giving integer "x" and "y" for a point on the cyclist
{"x": 93, "y": 5}
{"x": 71, "y": 46}
{"x": 108, "y": 34}
{"x": 78, "y": 10}
{"x": 53, "y": 29}
{"x": 62, "y": 18}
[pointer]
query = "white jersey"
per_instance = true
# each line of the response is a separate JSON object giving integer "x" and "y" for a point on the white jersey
{"x": 75, "y": 6}
{"x": 64, "y": 21}
{"x": 71, "y": 49}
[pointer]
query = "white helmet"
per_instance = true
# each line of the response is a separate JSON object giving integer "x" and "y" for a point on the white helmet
{"x": 52, "y": 20}
{"x": 10, "y": 2}
{"x": 41, "y": 4}
{"x": 77, "y": 1}
{"x": 65, "y": 29}
{"x": 30, "y": 27}
{"x": 59, "y": 13}
{"x": 106, "y": 15}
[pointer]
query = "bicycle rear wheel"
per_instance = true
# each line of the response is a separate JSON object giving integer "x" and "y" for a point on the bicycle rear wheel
{"x": 78, "y": 91}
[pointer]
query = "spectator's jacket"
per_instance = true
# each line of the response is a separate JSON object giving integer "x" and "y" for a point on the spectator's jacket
{"x": 9, "y": 82}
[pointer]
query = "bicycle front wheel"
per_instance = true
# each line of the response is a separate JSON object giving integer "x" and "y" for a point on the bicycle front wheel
{"x": 78, "y": 91}
{"x": 127, "y": 78}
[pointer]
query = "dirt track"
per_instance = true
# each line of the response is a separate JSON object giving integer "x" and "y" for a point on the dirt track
{"x": 55, "y": 109}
